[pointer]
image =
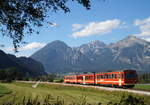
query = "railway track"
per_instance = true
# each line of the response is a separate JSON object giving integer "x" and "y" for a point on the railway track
{"x": 96, "y": 87}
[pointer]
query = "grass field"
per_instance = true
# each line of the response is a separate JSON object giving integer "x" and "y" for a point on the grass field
{"x": 69, "y": 94}
{"x": 142, "y": 87}
{"x": 4, "y": 90}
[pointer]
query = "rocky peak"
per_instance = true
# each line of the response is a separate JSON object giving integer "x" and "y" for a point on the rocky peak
{"x": 93, "y": 45}
{"x": 129, "y": 41}
{"x": 58, "y": 43}
{"x": 96, "y": 44}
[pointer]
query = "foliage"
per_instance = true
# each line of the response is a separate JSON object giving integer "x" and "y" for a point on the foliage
{"x": 144, "y": 78}
{"x": 48, "y": 78}
{"x": 17, "y": 17}
{"x": 9, "y": 74}
{"x": 60, "y": 80}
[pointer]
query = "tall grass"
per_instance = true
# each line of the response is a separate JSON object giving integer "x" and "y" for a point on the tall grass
{"x": 25, "y": 94}
{"x": 50, "y": 100}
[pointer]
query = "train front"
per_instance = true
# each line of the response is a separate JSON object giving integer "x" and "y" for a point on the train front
{"x": 130, "y": 78}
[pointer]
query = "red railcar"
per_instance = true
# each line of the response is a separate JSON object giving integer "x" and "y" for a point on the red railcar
{"x": 123, "y": 78}
{"x": 70, "y": 79}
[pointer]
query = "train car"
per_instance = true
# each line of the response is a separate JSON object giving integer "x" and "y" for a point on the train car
{"x": 86, "y": 79}
{"x": 123, "y": 78}
{"x": 70, "y": 79}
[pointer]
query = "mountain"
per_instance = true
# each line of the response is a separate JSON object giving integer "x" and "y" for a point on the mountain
{"x": 58, "y": 57}
{"x": 129, "y": 53}
{"x": 132, "y": 52}
{"x": 28, "y": 66}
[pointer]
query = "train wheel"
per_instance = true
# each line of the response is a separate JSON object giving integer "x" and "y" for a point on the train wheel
{"x": 128, "y": 86}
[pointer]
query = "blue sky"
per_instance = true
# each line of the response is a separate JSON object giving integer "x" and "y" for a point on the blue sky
{"x": 107, "y": 21}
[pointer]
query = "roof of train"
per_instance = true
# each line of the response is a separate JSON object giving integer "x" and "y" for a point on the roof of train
{"x": 103, "y": 72}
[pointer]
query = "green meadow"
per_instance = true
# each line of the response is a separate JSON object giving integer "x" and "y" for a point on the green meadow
{"x": 68, "y": 94}
{"x": 142, "y": 87}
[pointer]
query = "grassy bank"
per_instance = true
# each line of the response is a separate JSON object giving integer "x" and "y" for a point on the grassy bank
{"x": 67, "y": 93}
{"x": 142, "y": 87}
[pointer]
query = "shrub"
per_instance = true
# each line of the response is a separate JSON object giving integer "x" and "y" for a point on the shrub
{"x": 58, "y": 80}
{"x": 129, "y": 100}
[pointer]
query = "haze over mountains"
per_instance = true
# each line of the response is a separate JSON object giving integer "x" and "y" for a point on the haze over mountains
{"x": 96, "y": 56}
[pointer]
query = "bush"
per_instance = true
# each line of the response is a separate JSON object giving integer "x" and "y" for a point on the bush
{"x": 9, "y": 74}
{"x": 58, "y": 80}
{"x": 129, "y": 100}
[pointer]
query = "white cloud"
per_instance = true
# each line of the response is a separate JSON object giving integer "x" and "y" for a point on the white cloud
{"x": 97, "y": 28}
{"x": 32, "y": 45}
{"x": 29, "y": 46}
{"x": 18, "y": 54}
{"x": 140, "y": 22}
{"x": 76, "y": 27}
{"x": 147, "y": 39}
{"x": 144, "y": 26}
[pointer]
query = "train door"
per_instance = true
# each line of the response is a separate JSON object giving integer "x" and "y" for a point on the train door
{"x": 119, "y": 77}
{"x": 83, "y": 79}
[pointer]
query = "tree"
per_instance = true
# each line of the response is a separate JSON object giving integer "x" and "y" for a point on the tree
{"x": 9, "y": 74}
{"x": 17, "y": 17}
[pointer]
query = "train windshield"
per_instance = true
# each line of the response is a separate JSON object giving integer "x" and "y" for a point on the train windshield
{"x": 130, "y": 75}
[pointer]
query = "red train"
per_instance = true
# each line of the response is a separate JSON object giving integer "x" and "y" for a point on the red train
{"x": 123, "y": 78}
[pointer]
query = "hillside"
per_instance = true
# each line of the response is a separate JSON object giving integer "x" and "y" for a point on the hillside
{"x": 27, "y": 66}
{"x": 129, "y": 53}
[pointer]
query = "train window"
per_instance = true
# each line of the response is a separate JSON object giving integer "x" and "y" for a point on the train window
{"x": 80, "y": 77}
{"x": 99, "y": 76}
{"x": 88, "y": 77}
{"x": 103, "y": 76}
{"x": 110, "y": 76}
{"x": 113, "y": 76}
{"x": 119, "y": 75}
{"x": 122, "y": 76}
{"x": 106, "y": 76}
{"x": 91, "y": 77}
{"x": 130, "y": 75}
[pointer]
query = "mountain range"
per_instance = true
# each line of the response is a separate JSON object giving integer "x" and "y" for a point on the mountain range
{"x": 28, "y": 66}
{"x": 95, "y": 56}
